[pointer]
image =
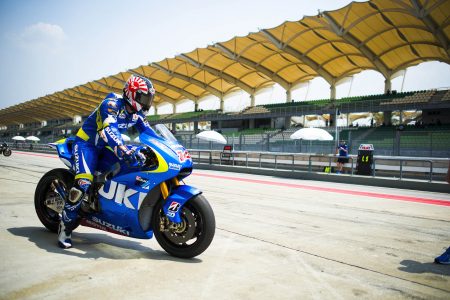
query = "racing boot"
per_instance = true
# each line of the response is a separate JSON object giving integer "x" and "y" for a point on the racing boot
{"x": 70, "y": 213}
{"x": 64, "y": 236}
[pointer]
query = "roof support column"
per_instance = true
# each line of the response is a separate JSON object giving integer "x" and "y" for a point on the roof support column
{"x": 288, "y": 96}
{"x": 156, "y": 110}
{"x": 252, "y": 100}
{"x": 333, "y": 91}
{"x": 222, "y": 104}
{"x": 174, "y": 108}
{"x": 387, "y": 85}
{"x": 196, "y": 105}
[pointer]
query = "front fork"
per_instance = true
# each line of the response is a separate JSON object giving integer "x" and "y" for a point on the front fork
{"x": 165, "y": 189}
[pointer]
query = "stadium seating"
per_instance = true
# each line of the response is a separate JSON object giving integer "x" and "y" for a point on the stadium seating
{"x": 420, "y": 97}
{"x": 446, "y": 97}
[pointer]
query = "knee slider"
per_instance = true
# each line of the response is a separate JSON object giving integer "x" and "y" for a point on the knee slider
{"x": 80, "y": 188}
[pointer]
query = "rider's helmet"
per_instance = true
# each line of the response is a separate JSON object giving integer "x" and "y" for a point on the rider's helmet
{"x": 139, "y": 93}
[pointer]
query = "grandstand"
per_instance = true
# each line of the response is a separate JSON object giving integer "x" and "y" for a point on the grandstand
{"x": 385, "y": 36}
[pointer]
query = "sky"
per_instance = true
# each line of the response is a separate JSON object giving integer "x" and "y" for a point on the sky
{"x": 47, "y": 46}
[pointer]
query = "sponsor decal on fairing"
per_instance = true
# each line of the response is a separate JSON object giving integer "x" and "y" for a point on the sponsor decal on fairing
{"x": 175, "y": 167}
{"x": 174, "y": 207}
{"x": 103, "y": 225}
{"x": 183, "y": 155}
{"x": 121, "y": 194}
{"x": 140, "y": 181}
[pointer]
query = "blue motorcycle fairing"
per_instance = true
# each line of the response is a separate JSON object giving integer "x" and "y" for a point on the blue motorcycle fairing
{"x": 176, "y": 200}
{"x": 121, "y": 196}
{"x": 174, "y": 152}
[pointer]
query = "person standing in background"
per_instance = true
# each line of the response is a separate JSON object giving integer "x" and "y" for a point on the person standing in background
{"x": 342, "y": 151}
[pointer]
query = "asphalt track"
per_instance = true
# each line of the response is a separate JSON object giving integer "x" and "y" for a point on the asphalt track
{"x": 275, "y": 239}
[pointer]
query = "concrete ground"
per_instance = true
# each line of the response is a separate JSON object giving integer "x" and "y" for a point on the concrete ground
{"x": 275, "y": 239}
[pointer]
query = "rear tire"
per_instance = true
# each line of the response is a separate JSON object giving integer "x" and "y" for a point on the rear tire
{"x": 7, "y": 152}
{"x": 50, "y": 215}
{"x": 196, "y": 234}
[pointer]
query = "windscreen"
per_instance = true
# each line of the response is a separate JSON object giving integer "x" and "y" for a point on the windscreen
{"x": 164, "y": 132}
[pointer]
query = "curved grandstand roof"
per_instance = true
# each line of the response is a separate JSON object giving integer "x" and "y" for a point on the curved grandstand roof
{"x": 381, "y": 35}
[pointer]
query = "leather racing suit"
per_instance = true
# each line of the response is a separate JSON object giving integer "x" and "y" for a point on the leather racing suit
{"x": 102, "y": 128}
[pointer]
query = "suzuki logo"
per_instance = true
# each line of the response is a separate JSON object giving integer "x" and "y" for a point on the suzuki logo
{"x": 121, "y": 194}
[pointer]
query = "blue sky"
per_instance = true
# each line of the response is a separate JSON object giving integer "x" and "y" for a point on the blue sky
{"x": 47, "y": 46}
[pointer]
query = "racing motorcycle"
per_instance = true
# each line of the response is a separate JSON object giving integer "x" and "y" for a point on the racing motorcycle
{"x": 135, "y": 201}
{"x": 4, "y": 148}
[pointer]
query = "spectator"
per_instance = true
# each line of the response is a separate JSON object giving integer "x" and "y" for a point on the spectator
{"x": 342, "y": 151}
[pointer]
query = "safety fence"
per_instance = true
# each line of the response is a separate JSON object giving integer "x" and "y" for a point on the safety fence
{"x": 398, "y": 167}
{"x": 388, "y": 142}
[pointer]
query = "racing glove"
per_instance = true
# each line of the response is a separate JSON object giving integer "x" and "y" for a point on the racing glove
{"x": 131, "y": 155}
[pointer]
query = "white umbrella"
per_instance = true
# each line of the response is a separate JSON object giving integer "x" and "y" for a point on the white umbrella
{"x": 137, "y": 140}
{"x": 316, "y": 123}
{"x": 32, "y": 138}
{"x": 312, "y": 134}
{"x": 125, "y": 138}
{"x": 18, "y": 138}
{"x": 212, "y": 136}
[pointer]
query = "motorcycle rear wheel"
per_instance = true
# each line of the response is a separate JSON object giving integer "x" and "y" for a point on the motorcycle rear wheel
{"x": 193, "y": 235}
{"x": 47, "y": 201}
{"x": 7, "y": 152}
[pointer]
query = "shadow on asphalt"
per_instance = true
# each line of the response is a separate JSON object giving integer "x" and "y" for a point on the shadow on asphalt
{"x": 412, "y": 266}
{"x": 94, "y": 245}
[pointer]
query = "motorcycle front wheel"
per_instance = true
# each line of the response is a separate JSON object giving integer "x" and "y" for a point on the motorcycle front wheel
{"x": 7, "y": 152}
{"x": 193, "y": 235}
{"x": 49, "y": 197}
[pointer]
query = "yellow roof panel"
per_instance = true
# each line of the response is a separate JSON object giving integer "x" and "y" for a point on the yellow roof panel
{"x": 382, "y": 35}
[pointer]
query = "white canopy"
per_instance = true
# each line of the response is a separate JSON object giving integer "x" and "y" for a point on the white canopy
{"x": 211, "y": 136}
{"x": 312, "y": 134}
{"x": 32, "y": 138}
{"x": 18, "y": 138}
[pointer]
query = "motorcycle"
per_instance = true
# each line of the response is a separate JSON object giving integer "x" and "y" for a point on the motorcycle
{"x": 137, "y": 202}
{"x": 4, "y": 148}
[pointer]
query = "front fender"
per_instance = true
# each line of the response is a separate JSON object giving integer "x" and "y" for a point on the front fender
{"x": 177, "y": 198}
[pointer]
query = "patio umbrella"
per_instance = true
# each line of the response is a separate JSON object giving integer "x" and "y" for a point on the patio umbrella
{"x": 312, "y": 134}
{"x": 18, "y": 138}
{"x": 32, "y": 138}
{"x": 211, "y": 136}
{"x": 125, "y": 138}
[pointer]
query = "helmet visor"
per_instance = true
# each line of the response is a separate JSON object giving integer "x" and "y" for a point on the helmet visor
{"x": 145, "y": 100}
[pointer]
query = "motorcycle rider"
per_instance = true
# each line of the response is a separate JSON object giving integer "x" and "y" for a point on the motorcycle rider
{"x": 101, "y": 129}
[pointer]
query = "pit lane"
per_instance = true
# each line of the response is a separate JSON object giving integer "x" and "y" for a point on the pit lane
{"x": 276, "y": 238}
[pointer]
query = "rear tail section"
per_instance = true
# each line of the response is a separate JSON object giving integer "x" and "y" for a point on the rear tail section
{"x": 64, "y": 147}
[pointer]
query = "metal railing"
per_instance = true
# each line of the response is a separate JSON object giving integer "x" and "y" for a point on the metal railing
{"x": 399, "y": 167}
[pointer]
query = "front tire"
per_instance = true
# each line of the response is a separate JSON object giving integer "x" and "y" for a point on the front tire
{"x": 48, "y": 202}
{"x": 7, "y": 152}
{"x": 193, "y": 235}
